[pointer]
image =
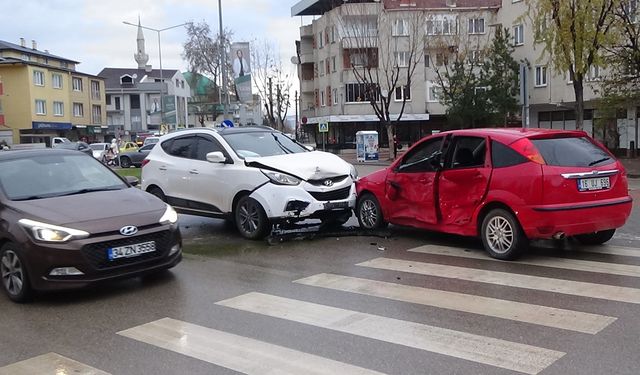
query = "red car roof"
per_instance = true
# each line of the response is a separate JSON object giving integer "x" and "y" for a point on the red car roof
{"x": 509, "y": 135}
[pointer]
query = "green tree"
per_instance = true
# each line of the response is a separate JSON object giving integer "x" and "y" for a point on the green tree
{"x": 574, "y": 34}
{"x": 500, "y": 72}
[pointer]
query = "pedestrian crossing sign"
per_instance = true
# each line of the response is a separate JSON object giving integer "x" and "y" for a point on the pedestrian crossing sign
{"x": 323, "y": 127}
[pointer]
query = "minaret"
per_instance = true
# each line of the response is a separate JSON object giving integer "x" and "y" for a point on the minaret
{"x": 141, "y": 57}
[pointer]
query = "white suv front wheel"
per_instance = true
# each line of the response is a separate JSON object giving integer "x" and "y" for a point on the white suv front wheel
{"x": 251, "y": 220}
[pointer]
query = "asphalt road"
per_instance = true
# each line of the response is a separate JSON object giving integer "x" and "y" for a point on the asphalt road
{"x": 403, "y": 302}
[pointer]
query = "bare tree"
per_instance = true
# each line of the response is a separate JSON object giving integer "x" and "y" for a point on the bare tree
{"x": 202, "y": 52}
{"x": 379, "y": 75}
{"x": 272, "y": 81}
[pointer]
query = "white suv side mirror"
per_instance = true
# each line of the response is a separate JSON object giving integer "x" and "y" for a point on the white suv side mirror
{"x": 216, "y": 157}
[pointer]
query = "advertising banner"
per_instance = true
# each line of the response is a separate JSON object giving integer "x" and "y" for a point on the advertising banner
{"x": 169, "y": 103}
{"x": 241, "y": 63}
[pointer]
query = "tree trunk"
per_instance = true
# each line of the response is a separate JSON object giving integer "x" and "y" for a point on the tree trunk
{"x": 392, "y": 153}
{"x": 578, "y": 89}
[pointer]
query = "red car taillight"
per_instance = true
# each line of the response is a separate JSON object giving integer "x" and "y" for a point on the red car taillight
{"x": 527, "y": 149}
{"x": 144, "y": 162}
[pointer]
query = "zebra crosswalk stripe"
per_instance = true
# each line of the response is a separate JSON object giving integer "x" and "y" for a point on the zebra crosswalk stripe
{"x": 485, "y": 350}
{"x": 50, "y": 363}
{"x": 517, "y": 311}
{"x": 563, "y": 263}
{"x": 547, "y": 284}
{"x": 238, "y": 353}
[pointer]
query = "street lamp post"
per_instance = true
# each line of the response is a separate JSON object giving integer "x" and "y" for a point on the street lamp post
{"x": 160, "y": 59}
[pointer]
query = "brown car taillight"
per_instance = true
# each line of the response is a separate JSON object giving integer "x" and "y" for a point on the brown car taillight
{"x": 527, "y": 149}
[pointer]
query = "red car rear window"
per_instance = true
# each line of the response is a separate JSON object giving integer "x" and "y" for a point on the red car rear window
{"x": 571, "y": 152}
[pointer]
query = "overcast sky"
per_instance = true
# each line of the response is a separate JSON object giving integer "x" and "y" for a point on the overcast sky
{"x": 92, "y": 32}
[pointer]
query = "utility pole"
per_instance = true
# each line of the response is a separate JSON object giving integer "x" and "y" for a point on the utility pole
{"x": 295, "y": 129}
{"x": 223, "y": 62}
{"x": 271, "y": 116}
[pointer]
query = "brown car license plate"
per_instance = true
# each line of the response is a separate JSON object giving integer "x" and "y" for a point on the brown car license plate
{"x": 130, "y": 251}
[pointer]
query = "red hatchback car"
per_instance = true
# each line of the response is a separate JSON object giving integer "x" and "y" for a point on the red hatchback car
{"x": 507, "y": 186}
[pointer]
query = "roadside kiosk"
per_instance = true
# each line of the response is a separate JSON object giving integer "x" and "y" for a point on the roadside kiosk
{"x": 367, "y": 146}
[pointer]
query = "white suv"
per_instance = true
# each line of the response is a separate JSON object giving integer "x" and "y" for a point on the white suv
{"x": 255, "y": 176}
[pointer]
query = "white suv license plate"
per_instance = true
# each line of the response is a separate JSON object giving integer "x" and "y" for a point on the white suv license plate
{"x": 589, "y": 184}
{"x": 131, "y": 251}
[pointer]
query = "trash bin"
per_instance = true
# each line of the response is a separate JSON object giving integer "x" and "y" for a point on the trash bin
{"x": 367, "y": 146}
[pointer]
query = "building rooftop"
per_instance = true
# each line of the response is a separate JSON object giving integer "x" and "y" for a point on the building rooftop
{"x": 112, "y": 75}
{"x": 4, "y": 45}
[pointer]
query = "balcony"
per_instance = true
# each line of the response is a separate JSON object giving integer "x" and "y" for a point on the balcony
{"x": 306, "y": 31}
{"x": 307, "y": 86}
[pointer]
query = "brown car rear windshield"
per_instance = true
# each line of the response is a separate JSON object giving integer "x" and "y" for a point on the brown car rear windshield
{"x": 571, "y": 152}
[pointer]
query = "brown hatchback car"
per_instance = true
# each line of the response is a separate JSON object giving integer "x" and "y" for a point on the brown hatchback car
{"x": 67, "y": 221}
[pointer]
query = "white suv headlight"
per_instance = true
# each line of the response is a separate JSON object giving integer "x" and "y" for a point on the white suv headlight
{"x": 170, "y": 216}
{"x": 353, "y": 173}
{"x": 51, "y": 233}
{"x": 281, "y": 178}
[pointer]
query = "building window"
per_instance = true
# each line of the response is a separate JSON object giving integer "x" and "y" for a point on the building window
{"x": 321, "y": 68}
{"x": 541, "y": 76}
{"x": 359, "y": 59}
{"x": 518, "y": 35}
{"x": 442, "y": 59}
{"x": 402, "y": 59}
{"x": 56, "y": 80}
{"x": 334, "y": 67}
{"x": 328, "y": 66}
{"x": 78, "y": 110}
{"x": 96, "y": 114}
{"x": 402, "y": 92}
{"x": 594, "y": 73}
{"x": 41, "y": 107}
{"x": 359, "y": 92}
{"x": 77, "y": 84}
{"x": 434, "y": 92}
{"x": 476, "y": 25}
{"x": 135, "y": 101}
{"x": 58, "y": 108}
{"x": 442, "y": 25}
{"x": 117, "y": 100}
{"x": 108, "y": 99}
{"x": 475, "y": 57}
{"x": 400, "y": 28}
{"x": 320, "y": 40}
{"x": 38, "y": 78}
{"x": 427, "y": 59}
{"x": 335, "y": 96}
{"x": 322, "y": 102}
{"x": 181, "y": 84}
{"x": 95, "y": 90}
{"x": 333, "y": 34}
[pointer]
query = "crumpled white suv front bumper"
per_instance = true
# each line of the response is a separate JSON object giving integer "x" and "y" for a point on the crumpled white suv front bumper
{"x": 306, "y": 200}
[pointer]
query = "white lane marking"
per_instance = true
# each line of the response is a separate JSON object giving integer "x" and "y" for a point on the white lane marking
{"x": 547, "y": 284}
{"x": 242, "y": 354}
{"x": 50, "y": 364}
{"x": 517, "y": 311}
{"x": 610, "y": 250}
{"x": 563, "y": 263}
{"x": 485, "y": 350}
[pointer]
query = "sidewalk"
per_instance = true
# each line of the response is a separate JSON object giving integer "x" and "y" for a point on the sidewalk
{"x": 631, "y": 165}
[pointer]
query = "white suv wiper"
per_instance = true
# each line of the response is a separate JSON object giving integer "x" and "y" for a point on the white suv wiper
{"x": 285, "y": 149}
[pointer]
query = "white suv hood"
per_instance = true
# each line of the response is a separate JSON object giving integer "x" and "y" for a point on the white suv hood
{"x": 305, "y": 165}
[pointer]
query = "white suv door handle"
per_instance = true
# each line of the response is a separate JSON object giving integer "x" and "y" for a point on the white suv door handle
{"x": 163, "y": 168}
{"x": 194, "y": 171}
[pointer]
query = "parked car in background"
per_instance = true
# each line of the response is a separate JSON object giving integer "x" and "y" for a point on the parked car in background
{"x": 99, "y": 150}
{"x": 128, "y": 147}
{"x": 70, "y": 221}
{"x": 507, "y": 186}
{"x": 255, "y": 176}
{"x": 77, "y": 146}
{"x": 135, "y": 158}
{"x": 150, "y": 140}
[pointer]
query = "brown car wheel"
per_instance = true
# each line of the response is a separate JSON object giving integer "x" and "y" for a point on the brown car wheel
{"x": 13, "y": 271}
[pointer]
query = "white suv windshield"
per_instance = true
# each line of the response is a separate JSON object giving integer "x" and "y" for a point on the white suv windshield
{"x": 256, "y": 144}
{"x": 55, "y": 175}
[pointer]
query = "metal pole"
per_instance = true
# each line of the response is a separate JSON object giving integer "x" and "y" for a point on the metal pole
{"x": 161, "y": 83}
{"x": 295, "y": 129}
{"x": 223, "y": 62}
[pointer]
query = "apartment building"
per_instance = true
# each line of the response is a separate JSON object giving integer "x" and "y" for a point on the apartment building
{"x": 42, "y": 96}
{"x": 330, "y": 92}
